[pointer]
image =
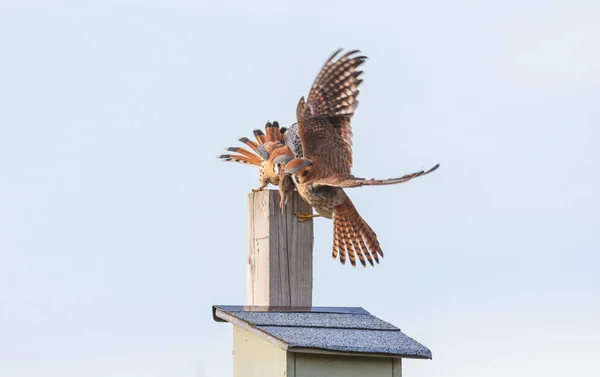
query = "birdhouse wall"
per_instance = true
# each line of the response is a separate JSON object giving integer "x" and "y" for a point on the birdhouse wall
{"x": 256, "y": 357}
{"x": 317, "y": 365}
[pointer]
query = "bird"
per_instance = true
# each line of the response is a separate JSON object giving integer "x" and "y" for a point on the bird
{"x": 323, "y": 170}
{"x": 269, "y": 152}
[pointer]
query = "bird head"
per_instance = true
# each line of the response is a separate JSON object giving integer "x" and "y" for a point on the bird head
{"x": 280, "y": 162}
{"x": 300, "y": 169}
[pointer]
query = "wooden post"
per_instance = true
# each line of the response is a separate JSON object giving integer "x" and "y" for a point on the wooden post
{"x": 279, "y": 251}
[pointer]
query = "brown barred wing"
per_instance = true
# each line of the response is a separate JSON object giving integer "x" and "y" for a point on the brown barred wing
{"x": 324, "y": 117}
{"x": 348, "y": 181}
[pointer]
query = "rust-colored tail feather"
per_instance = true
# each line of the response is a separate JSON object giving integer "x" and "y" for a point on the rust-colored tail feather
{"x": 279, "y": 131}
{"x": 348, "y": 249}
{"x": 252, "y": 144}
{"x": 238, "y": 158}
{"x": 359, "y": 245}
{"x": 352, "y": 235}
{"x": 336, "y": 245}
{"x": 260, "y": 136}
{"x": 272, "y": 131}
{"x": 353, "y": 241}
{"x": 244, "y": 152}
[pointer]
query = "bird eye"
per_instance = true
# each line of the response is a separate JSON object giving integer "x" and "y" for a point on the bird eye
{"x": 305, "y": 173}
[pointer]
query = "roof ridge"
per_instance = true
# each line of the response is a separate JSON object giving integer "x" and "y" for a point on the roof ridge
{"x": 328, "y": 327}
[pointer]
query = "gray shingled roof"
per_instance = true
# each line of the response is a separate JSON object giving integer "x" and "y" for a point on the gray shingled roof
{"x": 351, "y": 330}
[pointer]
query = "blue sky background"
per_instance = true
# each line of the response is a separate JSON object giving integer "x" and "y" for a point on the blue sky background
{"x": 119, "y": 229}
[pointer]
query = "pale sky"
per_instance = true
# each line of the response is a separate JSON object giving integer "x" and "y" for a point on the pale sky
{"x": 119, "y": 228}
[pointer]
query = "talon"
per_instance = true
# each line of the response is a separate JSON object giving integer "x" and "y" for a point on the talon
{"x": 305, "y": 216}
{"x": 261, "y": 188}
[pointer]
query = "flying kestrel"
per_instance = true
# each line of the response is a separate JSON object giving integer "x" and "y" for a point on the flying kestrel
{"x": 269, "y": 153}
{"x": 323, "y": 171}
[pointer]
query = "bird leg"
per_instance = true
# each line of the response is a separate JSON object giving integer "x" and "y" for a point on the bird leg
{"x": 261, "y": 188}
{"x": 305, "y": 216}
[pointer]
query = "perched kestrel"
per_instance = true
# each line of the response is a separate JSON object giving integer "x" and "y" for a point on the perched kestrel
{"x": 324, "y": 169}
{"x": 269, "y": 153}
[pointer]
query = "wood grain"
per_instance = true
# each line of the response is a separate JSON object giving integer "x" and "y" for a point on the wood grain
{"x": 279, "y": 252}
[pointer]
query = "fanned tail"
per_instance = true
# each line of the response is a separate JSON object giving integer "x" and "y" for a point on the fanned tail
{"x": 260, "y": 149}
{"x": 273, "y": 134}
{"x": 353, "y": 237}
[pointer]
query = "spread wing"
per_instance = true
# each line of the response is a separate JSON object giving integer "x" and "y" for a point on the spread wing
{"x": 348, "y": 181}
{"x": 324, "y": 118}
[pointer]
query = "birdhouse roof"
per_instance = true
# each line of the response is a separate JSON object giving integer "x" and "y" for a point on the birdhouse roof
{"x": 323, "y": 329}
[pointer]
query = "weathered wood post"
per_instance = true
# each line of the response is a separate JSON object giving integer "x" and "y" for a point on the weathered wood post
{"x": 279, "y": 252}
